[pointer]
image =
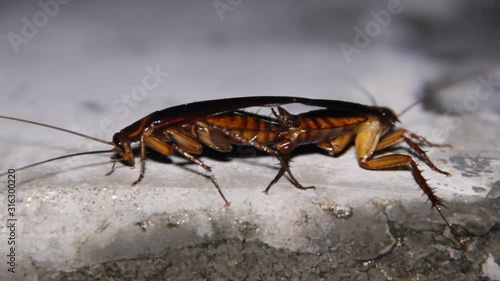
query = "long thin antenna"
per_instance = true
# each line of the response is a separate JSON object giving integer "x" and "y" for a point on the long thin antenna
{"x": 450, "y": 81}
{"x": 447, "y": 83}
{"x": 57, "y": 128}
{"x": 410, "y": 107}
{"x": 357, "y": 84}
{"x": 62, "y": 157}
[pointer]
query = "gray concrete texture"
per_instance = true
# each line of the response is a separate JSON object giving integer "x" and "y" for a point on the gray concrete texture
{"x": 97, "y": 66}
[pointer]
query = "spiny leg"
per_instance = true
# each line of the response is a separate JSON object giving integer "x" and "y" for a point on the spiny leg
{"x": 204, "y": 166}
{"x": 401, "y": 135}
{"x": 396, "y": 137}
{"x": 284, "y": 160}
{"x": 424, "y": 157}
{"x": 425, "y": 141}
{"x": 400, "y": 160}
{"x": 285, "y": 167}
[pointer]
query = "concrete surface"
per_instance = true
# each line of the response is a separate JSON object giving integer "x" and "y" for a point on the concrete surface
{"x": 81, "y": 70}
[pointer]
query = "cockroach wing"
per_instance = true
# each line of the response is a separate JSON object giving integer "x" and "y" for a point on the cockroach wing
{"x": 197, "y": 110}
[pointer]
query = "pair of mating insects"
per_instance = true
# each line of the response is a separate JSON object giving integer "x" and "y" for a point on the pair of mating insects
{"x": 219, "y": 124}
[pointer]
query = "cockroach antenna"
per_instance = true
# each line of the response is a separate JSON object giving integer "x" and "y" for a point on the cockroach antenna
{"x": 410, "y": 107}
{"x": 359, "y": 86}
{"x": 57, "y": 128}
{"x": 445, "y": 84}
{"x": 66, "y": 131}
{"x": 61, "y": 157}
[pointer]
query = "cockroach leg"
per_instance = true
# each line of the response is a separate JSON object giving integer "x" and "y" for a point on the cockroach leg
{"x": 276, "y": 179}
{"x": 337, "y": 144}
{"x": 285, "y": 167}
{"x": 284, "y": 117}
{"x": 400, "y": 160}
{"x": 283, "y": 158}
{"x": 365, "y": 160}
{"x": 204, "y": 166}
{"x": 425, "y": 141}
{"x": 397, "y": 161}
{"x": 112, "y": 167}
{"x": 424, "y": 157}
{"x": 401, "y": 135}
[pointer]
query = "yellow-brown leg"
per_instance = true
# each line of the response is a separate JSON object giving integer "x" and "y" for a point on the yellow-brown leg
{"x": 337, "y": 144}
{"x": 401, "y": 135}
{"x": 401, "y": 161}
{"x": 405, "y": 161}
{"x": 398, "y": 135}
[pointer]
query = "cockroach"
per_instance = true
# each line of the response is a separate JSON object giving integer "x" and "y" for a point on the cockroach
{"x": 372, "y": 129}
{"x": 184, "y": 128}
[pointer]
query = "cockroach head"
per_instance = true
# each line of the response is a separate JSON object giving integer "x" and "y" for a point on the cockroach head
{"x": 118, "y": 144}
{"x": 123, "y": 149}
{"x": 388, "y": 115}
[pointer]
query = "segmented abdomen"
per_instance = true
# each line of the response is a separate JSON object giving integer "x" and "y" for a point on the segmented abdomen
{"x": 318, "y": 128}
{"x": 246, "y": 127}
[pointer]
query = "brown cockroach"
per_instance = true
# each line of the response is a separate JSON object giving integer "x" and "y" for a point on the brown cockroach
{"x": 372, "y": 130}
